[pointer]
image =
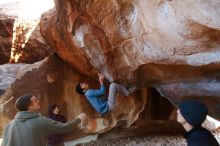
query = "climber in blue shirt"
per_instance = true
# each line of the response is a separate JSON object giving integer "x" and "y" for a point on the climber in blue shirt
{"x": 95, "y": 97}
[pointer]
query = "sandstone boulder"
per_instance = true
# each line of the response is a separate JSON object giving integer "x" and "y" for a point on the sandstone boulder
{"x": 170, "y": 49}
{"x": 172, "y": 46}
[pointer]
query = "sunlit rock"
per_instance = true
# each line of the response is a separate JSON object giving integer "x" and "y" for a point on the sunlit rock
{"x": 33, "y": 50}
{"x": 169, "y": 45}
{"x": 116, "y": 37}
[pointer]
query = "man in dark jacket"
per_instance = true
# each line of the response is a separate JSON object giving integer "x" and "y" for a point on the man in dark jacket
{"x": 55, "y": 114}
{"x": 191, "y": 114}
{"x": 29, "y": 128}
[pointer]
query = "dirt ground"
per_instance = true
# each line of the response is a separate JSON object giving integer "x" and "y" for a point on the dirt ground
{"x": 141, "y": 141}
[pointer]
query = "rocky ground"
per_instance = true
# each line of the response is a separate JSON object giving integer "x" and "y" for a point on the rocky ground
{"x": 158, "y": 140}
{"x": 139, "y": 141}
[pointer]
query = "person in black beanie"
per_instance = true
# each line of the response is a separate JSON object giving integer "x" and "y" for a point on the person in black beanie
{"x": 191, "y": 115}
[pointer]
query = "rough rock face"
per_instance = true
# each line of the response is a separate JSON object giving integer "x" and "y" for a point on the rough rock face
{"x": 54, "y": 81}
{"x": 6, "y": 26}
{"x": 7, "y": 77}
{"x": 131, "y": 41}
{"x": 35, "y": 49}
{"x": 179, "y": 82}
{"x": 168, "y": 48}
{"x": 116, "y": 37}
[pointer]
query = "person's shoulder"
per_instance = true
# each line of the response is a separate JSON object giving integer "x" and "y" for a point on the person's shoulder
{"x": 203, "y": 138}
{"x": 42, "y": 118}
{"x": 88, "y": 92}
{"x": 204, "y": 141}
{"x": 62, "y": 116}
{"x": 10, "y": 123}
{"x": 63, "y": 119}
{"x": 44, "y": 121}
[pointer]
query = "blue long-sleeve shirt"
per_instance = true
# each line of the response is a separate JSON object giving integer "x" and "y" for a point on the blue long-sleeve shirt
{"x": 95, "y": 99}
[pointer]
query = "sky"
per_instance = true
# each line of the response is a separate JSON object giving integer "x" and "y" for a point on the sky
{"x": 7, "y": 1}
